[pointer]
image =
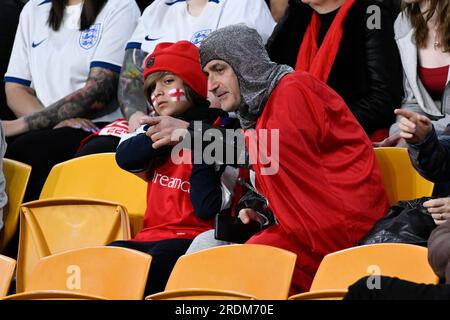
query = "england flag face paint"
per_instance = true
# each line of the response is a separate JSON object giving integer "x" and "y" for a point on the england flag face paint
{"x": 168, "y": 96}
{"x": 177, "y": 95}
{"x": 153, "y": 100}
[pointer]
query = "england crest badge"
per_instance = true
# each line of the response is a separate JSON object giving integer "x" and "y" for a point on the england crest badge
{"x": 89, "y": 37}
{"x": 199, "y": 36}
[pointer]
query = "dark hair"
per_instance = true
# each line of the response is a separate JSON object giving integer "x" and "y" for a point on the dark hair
{"x": 90, "y": 11}
{"x": 193, "y": 97}
{"x": 419, "y": 21}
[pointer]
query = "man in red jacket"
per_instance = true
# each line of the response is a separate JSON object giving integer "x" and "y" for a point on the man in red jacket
{"x": 326, "y": 192}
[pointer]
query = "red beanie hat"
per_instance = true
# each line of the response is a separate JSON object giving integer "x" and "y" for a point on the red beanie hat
{"x": 182, "y": 59}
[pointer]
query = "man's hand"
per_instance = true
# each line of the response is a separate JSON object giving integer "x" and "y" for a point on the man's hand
{"x": 247, "y": 215}
{"x": 13, "y": 128}
{"x": 135, "y": 121}
{"x": 165, "y": 130}
{"x": 392, "y": 141}
{"x": 78, "y": 123}
{"x": 414, "y": 127}
{"x": 439, "y": 209}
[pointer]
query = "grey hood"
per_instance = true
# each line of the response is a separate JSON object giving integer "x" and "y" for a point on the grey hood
{"x": 243, "y": 49}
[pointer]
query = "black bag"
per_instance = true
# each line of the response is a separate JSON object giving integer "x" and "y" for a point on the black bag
{"x": 231, "y": 229}
{"x": 406, "y": 222}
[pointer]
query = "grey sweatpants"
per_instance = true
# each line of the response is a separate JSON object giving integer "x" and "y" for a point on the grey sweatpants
{"x": 205, "y": 240}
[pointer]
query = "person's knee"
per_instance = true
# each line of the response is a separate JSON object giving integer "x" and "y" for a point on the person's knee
{"x": 205, "y": 240}
{"x": 98, "y": 145}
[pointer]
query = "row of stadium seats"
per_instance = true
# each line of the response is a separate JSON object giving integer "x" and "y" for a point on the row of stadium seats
{"x": 98, "y": 177}
{"x": 227, "y": 272}
{"x": 88, "y": 202}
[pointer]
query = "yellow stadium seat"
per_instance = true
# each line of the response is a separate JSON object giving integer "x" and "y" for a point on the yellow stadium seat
{"x": 16, "y": 176}
{"x": 200, "y": 294}
{"x": 98, "y": 176}
{"x": 260, "y": 271}
{"x": 340, "y": 269}
{"x": 108, "y": 272}
{"x": 400, "y": 179}
{"x": 7, "y": 266}
{"x": 56, "y": 225}
{"x": 52, "y": 295}
{"x": 329, "y": 294}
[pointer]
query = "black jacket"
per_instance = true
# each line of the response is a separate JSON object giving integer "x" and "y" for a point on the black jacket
{"x": 367, "y": 70}
{"x": 394, "y": 7}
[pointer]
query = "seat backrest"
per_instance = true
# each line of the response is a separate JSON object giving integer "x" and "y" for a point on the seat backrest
{"x": 200, "y": 294}
{"x": 51, "y": 295}
{"x": 258, "y": 270}
{"x": 98, "y": 176}
{"x": 328, "y": 294}
{"x": 341, "y": 269}
{"x": 16, "y": 176}
{"x": 109, "y": 272}
{"x": 400, "y": 179}
{"x": 56, "y": 225}
{"x": 7, "y": 266}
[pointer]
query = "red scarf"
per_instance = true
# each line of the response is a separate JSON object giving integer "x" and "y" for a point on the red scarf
{"x": 318, "y": 61}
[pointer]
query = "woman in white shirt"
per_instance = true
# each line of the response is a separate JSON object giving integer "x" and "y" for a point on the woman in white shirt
{"x": 62, "y": 78}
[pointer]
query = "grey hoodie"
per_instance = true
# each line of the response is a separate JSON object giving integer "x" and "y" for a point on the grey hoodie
{"x": 243, "y": 49}
{"x": 416, "y": 97}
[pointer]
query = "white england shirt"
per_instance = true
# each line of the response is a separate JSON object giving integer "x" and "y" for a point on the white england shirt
{"x": 169, "y": 21}
{"x": 56, "y": 64}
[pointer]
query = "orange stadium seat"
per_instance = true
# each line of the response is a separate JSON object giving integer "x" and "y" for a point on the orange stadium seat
{"x": 16, "y": 176}
{"x": 98, "y": 176}
{"x": 97, "y": 272}
{"x": 55, "y": 225}
{"x": 340, "y": 269}
{"x": 7, "y": 266}
{"x": 401, "y": 180}
{"x": 238, "y": 271}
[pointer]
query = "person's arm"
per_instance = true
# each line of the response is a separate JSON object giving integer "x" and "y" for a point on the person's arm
{"x": 93, "y": 98}
{"x": 21, "y": 99}
{"x": 132, "y": 101}
{"x": 136, "y": 154}
{"x": 232, "y": 151}
{"x": 439, "y": 124}
{"x": 439, "y": 251}
{"x": 130, "y": 94}
{"x": 429, "y": 155}
{"x": 375, "y": 109}
{"x": 278, "y": 7}
{"x": 205, "y": 191}
{"x": 410, "y": 104}
{"x": 431, "y": 158}
{"x": 166, "y": 130}
{"x": 439, "y": 209}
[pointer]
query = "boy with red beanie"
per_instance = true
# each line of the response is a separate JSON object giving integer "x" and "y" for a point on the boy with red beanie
{"x": 176, "y": 86}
